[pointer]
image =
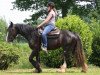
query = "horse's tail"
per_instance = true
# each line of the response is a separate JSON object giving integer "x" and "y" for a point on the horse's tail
{"x": 79, "y": 53}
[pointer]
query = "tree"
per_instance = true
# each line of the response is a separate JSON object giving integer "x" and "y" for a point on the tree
{"x": 63, "y": 5}
{"x": 39, "y": 5}
{"x": 95, "y": 56}
{"x": 98, "y": 5}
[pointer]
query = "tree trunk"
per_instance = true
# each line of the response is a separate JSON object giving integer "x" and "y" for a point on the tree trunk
{"x": 64, "y": 9}
{"x": 65, "y": 6}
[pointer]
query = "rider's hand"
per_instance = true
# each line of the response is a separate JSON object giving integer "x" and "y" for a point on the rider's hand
{"x": 39, "y": 26}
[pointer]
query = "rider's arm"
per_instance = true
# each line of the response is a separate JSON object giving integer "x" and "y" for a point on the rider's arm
{"x": 46, "y": 20}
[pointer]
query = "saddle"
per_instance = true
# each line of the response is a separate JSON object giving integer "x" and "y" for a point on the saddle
{"x": 53, "y": 34}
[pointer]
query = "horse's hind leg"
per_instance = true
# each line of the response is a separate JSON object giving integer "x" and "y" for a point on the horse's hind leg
{"x": 64, "y": 66}
{"x": 35, "y": 63}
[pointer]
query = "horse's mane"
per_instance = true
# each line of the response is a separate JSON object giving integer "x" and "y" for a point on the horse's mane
{"x": 26, "y": 28}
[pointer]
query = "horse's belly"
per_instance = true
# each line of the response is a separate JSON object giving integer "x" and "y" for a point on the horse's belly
{"x": 53, "y": 44}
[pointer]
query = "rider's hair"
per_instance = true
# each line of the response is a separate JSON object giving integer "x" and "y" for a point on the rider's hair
{"x": 52, "y": 6}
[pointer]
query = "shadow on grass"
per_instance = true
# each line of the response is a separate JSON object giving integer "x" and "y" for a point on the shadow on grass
{"x": 43, "y": 72}
{"x": 20, "y": 72}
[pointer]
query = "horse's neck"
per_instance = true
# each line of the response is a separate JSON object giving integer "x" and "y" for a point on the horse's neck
{"x": 25, "y": 32}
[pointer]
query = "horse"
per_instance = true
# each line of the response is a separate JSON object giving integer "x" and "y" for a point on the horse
{"x": 66, "y": 40}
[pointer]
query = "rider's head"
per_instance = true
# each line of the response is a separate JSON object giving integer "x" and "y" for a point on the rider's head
{"x": 50, "y": 6}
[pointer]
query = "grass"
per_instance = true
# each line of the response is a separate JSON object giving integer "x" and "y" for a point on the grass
{"x": 51, "y": 71}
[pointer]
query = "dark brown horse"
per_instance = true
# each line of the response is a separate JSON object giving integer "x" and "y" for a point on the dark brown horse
{"x": 67, "y": 40}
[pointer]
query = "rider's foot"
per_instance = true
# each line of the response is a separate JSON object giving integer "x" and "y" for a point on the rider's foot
{"x": 44, "y": 49}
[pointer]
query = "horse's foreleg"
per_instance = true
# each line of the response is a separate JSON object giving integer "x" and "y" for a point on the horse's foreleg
{"x": 33, "y": 62}
{"x": 38, "y": 59}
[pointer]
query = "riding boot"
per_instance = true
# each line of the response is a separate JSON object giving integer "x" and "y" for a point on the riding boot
{"x": 44, "y": 49}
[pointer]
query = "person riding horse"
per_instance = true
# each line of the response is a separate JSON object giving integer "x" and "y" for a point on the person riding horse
{"x": 49, "y": 24}
{"x": 67, "y": 40}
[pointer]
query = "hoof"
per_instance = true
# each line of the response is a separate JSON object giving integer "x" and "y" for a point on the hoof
{"x": 63, "y": 67}
{"x": 37, "y": 71}
{"x": 83, "y": 71}
{"x": 61, "y": 70}
{"x": 85, "y": 68}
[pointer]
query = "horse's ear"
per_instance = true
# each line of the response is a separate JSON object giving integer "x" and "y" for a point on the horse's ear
{"x": 11, "y": 24}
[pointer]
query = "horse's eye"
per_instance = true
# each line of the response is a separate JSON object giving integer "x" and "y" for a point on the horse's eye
{"x": 12, "y": 29}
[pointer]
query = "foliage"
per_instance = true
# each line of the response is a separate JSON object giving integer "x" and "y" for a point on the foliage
{"x": 53, "y": 59}
{"x": 93, "y": 14}
{"x": 98, "y": 5}
{"x": 14, "y": 55}
{"x": 95, "y": 57}
{"x": 82, "y": 11}
{"x": 39, "y": 6}
{"x": 23, "y": 53}
{"x": 7, "y": 55}
{"x": 2, "y": 29}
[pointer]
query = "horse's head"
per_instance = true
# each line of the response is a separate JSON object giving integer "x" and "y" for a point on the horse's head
{"x": 11, "y": 33}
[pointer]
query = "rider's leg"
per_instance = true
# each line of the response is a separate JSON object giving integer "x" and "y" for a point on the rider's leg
{"x": 47, "y": 29}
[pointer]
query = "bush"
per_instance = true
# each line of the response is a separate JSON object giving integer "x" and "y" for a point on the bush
{"x": 2, "y": 29}
{"x": 24, "y": 53}
{"x": 14, "y": 56}
{"x": 74, "y": 24}
{"x": 95, "y": 56}
{"x": 53, "y": 59}
{"x": 7, "y": 55}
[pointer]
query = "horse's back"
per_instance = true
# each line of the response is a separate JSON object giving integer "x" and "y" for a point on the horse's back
{"x": 67, "y": 33}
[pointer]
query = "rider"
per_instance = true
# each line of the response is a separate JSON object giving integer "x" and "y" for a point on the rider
{"x": 49, "y": 24}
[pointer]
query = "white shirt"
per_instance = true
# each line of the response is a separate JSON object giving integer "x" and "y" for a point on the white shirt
{"x": 52, "y": 20}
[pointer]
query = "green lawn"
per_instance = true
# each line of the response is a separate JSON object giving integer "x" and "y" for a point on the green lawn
{"x": 51, "y": 71}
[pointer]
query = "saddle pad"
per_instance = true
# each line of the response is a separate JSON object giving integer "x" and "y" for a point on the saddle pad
{"x": 53, "y": 34}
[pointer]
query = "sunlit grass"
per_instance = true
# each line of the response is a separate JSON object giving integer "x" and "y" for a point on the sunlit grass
{"x": 51, "y": 71}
